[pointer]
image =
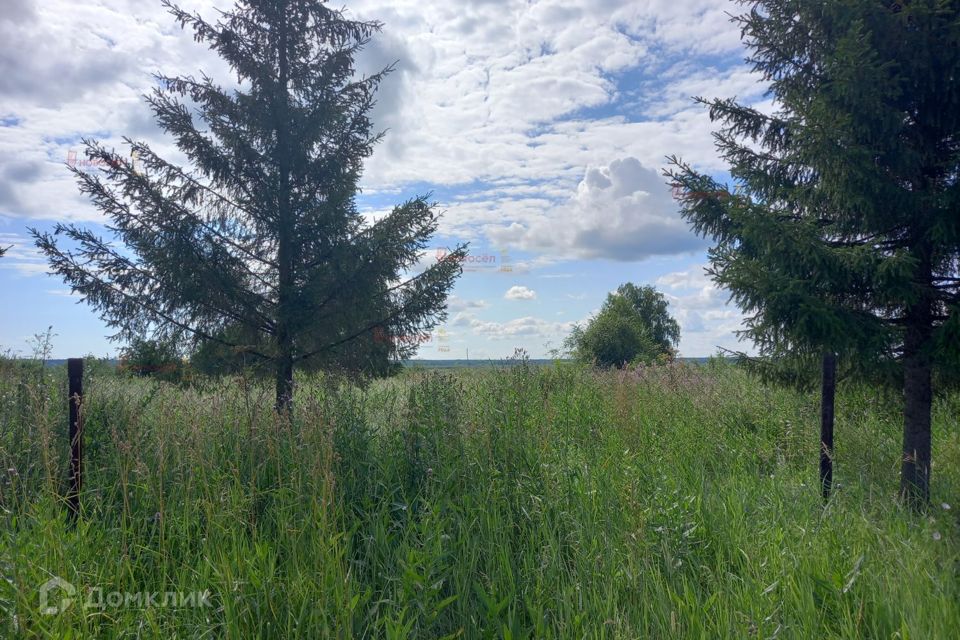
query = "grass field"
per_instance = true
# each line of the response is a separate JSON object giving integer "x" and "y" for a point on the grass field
{"x": 525, "y": 502}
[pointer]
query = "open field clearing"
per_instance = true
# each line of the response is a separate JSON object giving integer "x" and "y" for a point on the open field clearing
{"x": 677, "y": 501}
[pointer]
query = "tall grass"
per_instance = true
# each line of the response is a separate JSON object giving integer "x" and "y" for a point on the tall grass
{"x": 523, "y": 502}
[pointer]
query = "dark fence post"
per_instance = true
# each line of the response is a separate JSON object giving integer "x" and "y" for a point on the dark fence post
{"x": 75, "y": 399}
{"x": 828, "y": 392}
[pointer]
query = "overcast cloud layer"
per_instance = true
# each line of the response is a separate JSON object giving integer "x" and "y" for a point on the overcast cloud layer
{"x": 541, "y": 126}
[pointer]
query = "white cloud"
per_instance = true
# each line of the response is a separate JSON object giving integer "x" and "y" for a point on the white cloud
{"x": 483, "y": 92}
{"x": 494, "y": 80}
{"x": 622, "y": 211}
{"x": 65, "y": 293}
{"x": 22, "y": 256}
{"x": 97, "y": 59}
{"x": 707, "y": 320}
{"x": 527, "y": 327}
{"x": 701, "y": 291}
{"x": 456, "y": 303}
{"x": 550, "y": 118}
{"x": 518, "y": 292}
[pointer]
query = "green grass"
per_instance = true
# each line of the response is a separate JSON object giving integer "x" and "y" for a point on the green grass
{"x": 523, "y": 502}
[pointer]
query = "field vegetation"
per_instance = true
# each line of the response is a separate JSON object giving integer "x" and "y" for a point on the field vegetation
{"x": 517, "y": 502}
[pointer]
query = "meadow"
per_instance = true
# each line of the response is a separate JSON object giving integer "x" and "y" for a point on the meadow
{"x": 677, "y": 501}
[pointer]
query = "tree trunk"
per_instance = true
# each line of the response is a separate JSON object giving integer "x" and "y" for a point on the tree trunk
{"x": 918, "y": 389}
{"x": 284, "y": 404}
{"x": 285, "y": 233}
{"x": 918, "y": 401}
{"x": 827, "y": 394}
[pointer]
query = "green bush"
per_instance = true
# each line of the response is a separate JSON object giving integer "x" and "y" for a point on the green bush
{"x": 153, "y": 359}
{"x": 633, "y": 327}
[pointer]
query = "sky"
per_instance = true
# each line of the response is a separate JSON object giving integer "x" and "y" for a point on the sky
{"x": 540, "y": 127}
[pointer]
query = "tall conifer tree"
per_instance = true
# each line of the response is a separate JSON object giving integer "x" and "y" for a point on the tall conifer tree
{"x": 261, "y": 236}
{"x": 845, "y": 230}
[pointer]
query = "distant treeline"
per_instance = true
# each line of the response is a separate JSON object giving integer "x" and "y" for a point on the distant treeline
{"x": 427, "y": 364}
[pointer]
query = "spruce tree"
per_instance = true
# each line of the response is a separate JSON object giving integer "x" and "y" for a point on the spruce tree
{"x": 844, "y": 232}
{"x": 261, "y": 234}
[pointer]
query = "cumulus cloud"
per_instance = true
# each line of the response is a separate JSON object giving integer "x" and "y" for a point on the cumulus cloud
{"x": 548, "y": 118}
{"x": 21, "y": 256}
{"x": 389, "y": 50}
{"x": 527, "y": 326}
{"x": 491, "y": 94}
{"x": 703, "y": 292}
{"x": 97, "y": 60}
{"x": 499, "y": 338}
{"x": 456, "y": 303}
{"x": 707, "y": 319}
{"x": 518, "y": 292}
{"x": 622, "y": 211}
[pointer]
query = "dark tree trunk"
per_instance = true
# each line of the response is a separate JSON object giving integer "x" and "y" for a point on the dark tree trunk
{"x": 918, "y": 391}
{"x": 285, "y": 239}
{"x": 284, "y": 403}
{"x": 827, "y": 394}
{"x": 75, "y": 431}
{"x": 918, "y": 400}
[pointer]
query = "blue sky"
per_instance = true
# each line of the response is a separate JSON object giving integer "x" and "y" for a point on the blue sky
{"x": 539, "y": 126}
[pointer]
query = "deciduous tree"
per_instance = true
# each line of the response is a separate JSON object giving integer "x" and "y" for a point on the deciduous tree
{"x": 633, "y": 326}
